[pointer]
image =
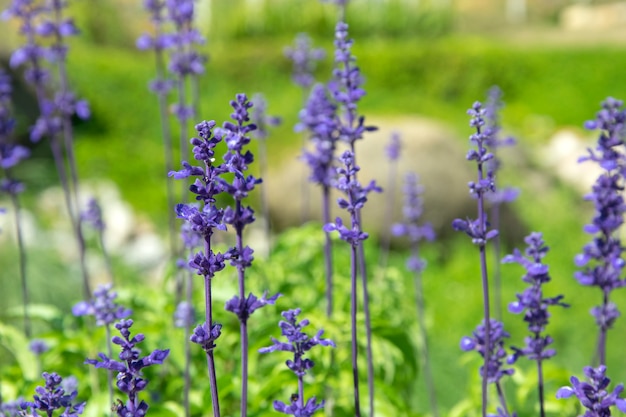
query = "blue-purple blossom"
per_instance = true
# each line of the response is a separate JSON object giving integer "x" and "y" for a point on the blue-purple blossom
{"x": 356, "y": 197}
{"x": 185, "y": 315}
{"x": 319, "y": 118}
{"x": 392, "y": 150}
{"x": 594, "y": 395}
{"x": 485, "y": 184}
{"x": 304, "y": 58}
{"x": 346, "y": 87}
{"x": 532, "y": 301}
{"x": 52, "y": 397}
{"x": 298, "y": 343}
{"x": 601, "y": 261}
{"x": 93, "y": 215}
{"x": 244, "y": 308}
{"x": 411, "y": 227}
{"x": 130, "y": 379}
{"x": 494, "y": 352}
{"x": 11, "y": 408}
{"x": 102, "y": 306}
{"x": 204, "y": 338}
{"x": 38, "y": 346}
{"x": 260, "y": 118}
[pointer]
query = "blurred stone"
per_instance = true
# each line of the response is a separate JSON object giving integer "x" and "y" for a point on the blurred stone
{"x": 428, "y": 148}
{"x": 593, "y": 16}
{"x": 561, "y": 156}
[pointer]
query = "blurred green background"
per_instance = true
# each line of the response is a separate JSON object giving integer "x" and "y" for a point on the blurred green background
{"x": 431, "y": 59}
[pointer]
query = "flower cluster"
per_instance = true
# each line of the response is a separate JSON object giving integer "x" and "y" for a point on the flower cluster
{"x": 532, "y": 302}
{"x": 346, "y": 87}
{"x": 356, "y": 197}
{"x": 45, "y": 21}
{"x": 11, "y": 154}
{"x": 102, "y": 306}
{"x": 477, "y": 229}
{"x": 298, "y": 343}
{"x": 304, "y": 58}
{"x": 319, "y": 117}
{"x": 130, "y": 380}
{"x": 185, "y": 60}
{"x": 52, "y": 397}
{"x": 601, "y": 261}
{"x": 593, "y": 395}
{"x": 413, "y": 208}
{"x": 491, "y": 348}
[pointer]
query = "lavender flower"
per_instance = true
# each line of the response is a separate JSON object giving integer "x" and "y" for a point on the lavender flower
{"x": 393, "y": 148}
{"x": 102, "y": 306}
{"x": 356, "y": 196}
{"x": 534, "y": 306}
{"x": 488, "y": 341}
{"x": 478, "y": 229}
{"x": 346, "y": 88}
{"x": 38, "y": 346}
{"x": 185, "y": 315}
{"x": 130, "y": 380}
{"x": 12, "y": 154}
{"x": 203, "y": 222}
{"x": 52, "y": 397}
{"x": 602, "y": 261}
{"x": 412, "y": 210}
{"x": 236, "y": 161}
{"x": 298, "y": 343}
{"x": 93, "y": 215}
{"x": 593, "y": 395}
{"x": 417, "y": 232}
{"x": 304, "y": 58}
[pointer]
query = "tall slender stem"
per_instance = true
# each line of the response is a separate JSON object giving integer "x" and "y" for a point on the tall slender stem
{"x": 243, "y": 325}
{"x": 540, "y": 388}
{"x": 368, "y": 326}
{"x": 328, "y": 250}
{"x": 22, "y": 263}
{"x": 353, "y": 311}
{"x": 107, "y": 328}
{"x": 208, "y": 298}
{"x": 419, "y": 301}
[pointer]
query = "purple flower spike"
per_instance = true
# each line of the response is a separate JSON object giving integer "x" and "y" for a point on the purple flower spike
{"x": 93, "y": 214}
{"x": 304, "y": 58}
{"x": 593, "y": 395}
{"x": 185, "y": 315}
{"x": 413, "y": 207}
{"x": 102, "y": 306}
{"x": 204, "y": 338}
{"x": 494, "y": 352}
{"x": 532, "y": 301}
{"x": 130, "y": 380}
{"x": 298, "y": 343}
{"x": 244, "y": 308}
{"x": 602, "y": 261}
{"x": 393, "y": 148}
{"x": 38, "y": 346}
{"x": 52, "y": 397}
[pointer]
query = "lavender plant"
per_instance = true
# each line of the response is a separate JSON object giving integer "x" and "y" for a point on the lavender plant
{"x": 11, "y": 154}
{"x": 299, "y": 343}
{"x": 535, "y": 307}
{"x": 488, "y": 341}
{"x": 501, "y": 195}
{"x": 93, "y": 217}
{"x": 130, "y": 379}
{"x": 355, "y": 199}
{"x": 205, "y": 221}
{"x": 55, "y": 108}
{"x": 304, "y": 61}
{"x": 106, "y": 312}
{"x": 416, "y": 232}
{"x": 52, "y": 399}
{"x": 319, "y": 118}
{"x": 478, "y": 229}
{"x": 601, "y": 261}
{"x": 240, "y": 256}
{"x": 346, "y": 89}
{"x": 594, "y": 395}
